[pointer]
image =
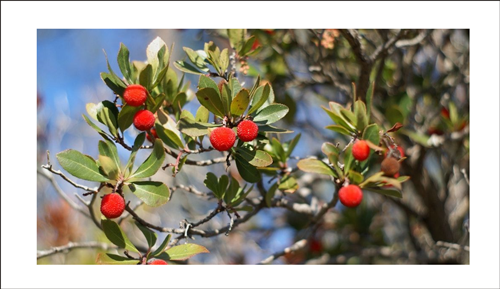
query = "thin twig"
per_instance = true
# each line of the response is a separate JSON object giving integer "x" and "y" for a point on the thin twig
{"x": 71, "y": 246}
{"x": 293, "y": 248}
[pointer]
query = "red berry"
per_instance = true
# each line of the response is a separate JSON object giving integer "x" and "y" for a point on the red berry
{"x": 350, "y": 196}
{"x": 400, "y": 149}
{"x": 247, "y": 130}
{"x": 144, "y": 120}
{"x": 158, "y": 262}
{"x": 112, "y": 205}
{"x": 360, "y": 150}
{"x": 135, "y": 95}
{"x": 222, "y": 138}
{"x": 153, "y": 132}
{"x": 445, "y": 112}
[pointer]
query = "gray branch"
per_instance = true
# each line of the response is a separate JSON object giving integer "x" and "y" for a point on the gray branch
{"x": 71, "y": 246}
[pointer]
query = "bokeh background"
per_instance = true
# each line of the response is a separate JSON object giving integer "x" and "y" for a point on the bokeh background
{"x": 422, "y": 82}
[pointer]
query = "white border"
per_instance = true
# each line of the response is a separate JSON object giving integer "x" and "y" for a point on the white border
{"x": 19, "y": 23}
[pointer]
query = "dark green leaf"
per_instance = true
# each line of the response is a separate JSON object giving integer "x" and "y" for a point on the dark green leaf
{"x": 212, "y": 183}
{"x": 146, "y": 77}
{"x": 278, "y": 150}
{"x": 292, "y": 144}
{"x": 247, "y": 46}
{"x": 108, "y": 148}
{"x": 162, "y": 247}
{"x": 209, "y": 98}
{"x": 226, "y": 98}
{"x": 112, "y": 259}
{"x": 349, "y": 116}
{"x": 259, "y": 98}
{"x": 124, "y": 62}
{"x": 348, "y": 159}
{"x": 115, "y": 234}
{"x": 385, "y": 191}
{"x": 355, "y": 177}
{"x": 80, "y": 165}
{"x": 148, "y": 234}
{"x": 169, "y": 137}
{"x": 257, "y": 158}
{"x": 159, "y": 102}
{"x": 247, "y": 171}
{"x": 153, "y": 194}
{"x": 272, "y": 129}
{"x": 126, "y": 116}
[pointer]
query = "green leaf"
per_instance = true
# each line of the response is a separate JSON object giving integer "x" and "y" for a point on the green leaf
{"x": 112, "y": 259}
{"x": 80, "y": 165}
{"x": 169, "y": 137}
{"x": 256, "y": 158}
{"x": 109, "y": 167}
{"x": 153, "y": 194}
{"x": 336, "y": 116}
{"x": 240, "y": 196}
{"x": 349, "y": 116}
{"x": 153, "y": 163}
{"x": 188, "y": 68}
{"x": 234, "y": 187}
{"x": 259, "y": 98}
{"x": 247, "y": 46}
{"x": 278, "y": 150}
{"x": 255, "y": 85}
{"x": 369, "y": 99}
{"x": 315, "y": 166}
{"x": 224, "y": 59}
{"x": 198, "y": 59}
{"x": 237, "y": 38}
{"x": 148, "y": 234}
{"x": 159, "y": 102}
{"x": 96, "y": 128}
{"x": 179, "y": 100}
{"x": 115, "y": 234}
{"x": 146, "y": 77}
{"x": 240, "y": 102}
{"x": 288, "y": 184}
{"x": 371, "y": 133}
{"x": 107, "y": 114}
{"x": 162, "y": 247}
{"x": 209, "y": 98}
{"x": 348, "y": 159}
{"x": 291, "y": 145}
{"x": 235, "y": 86}
{"x": 339, "y": 129}
{"x": 271, "y": 114}
{"x": 206, "y": 81}
{"x": 226, "y": 98}
{"x": 184, "y": 251}
{"x": 247, "y": 171}
{"x": 194, "y": 128}
{"x": 329, "y": 148}
{"x": 272, "y": 129}
{"x": 355, "y": 177}
{"x": 124, "y": 62}
{"x": 108, "y": 148}
{"x": 126, "y": 116}
{"x": 139, "y": 140}
{"x": 360, "y": 113}
{"x": 372, "y": 180}
{"x": 202, "y": 114}
{"x": 212, "y": 183}
{"x": 223, "y": 182}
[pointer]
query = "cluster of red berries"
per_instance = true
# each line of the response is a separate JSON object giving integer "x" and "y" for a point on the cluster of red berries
{"x": 223, "y": 138}
{"x": 136, "y": 95}
{"x": 351, "y": 195}
{"x": 158, "y": 262}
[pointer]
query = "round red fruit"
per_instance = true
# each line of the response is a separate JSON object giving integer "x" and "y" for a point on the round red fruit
{"x": 247, "y": 130}
{"x": 135, "y": 95}
{"x": 360, "y": 150}
{"x": 153, "y": 132}
{"x": 351, "y": 196}
{"x": 222, "y": 138}
{"x": 158, "y": 262}
{"x": 112, "y": 205}
{"x": 144, "y": 120}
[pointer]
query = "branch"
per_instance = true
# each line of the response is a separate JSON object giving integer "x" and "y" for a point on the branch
{"x": 352, "y": 37}
{"x": 414, "y": 41}
{"x": 382, "y": 49}
{"x": 50, "y": 169}
{"x": 295, "y": 247}
{"x": 70, "y": 246}
{"x": 452, "y": 246}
